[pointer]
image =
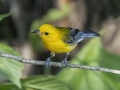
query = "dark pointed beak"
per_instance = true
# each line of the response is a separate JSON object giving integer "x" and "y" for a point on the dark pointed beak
{"x": 35, "y": 31}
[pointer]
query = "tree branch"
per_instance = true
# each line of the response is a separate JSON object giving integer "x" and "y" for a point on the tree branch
{"x": 56, "y": 64}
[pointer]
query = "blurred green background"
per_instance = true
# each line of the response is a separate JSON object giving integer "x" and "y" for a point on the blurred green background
{"x": 19, "y": 17}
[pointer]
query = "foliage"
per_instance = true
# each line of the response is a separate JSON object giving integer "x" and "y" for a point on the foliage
{"x": 10, "y": 69}
{"x": 51, "y": 16}
{"x": 2, "y": 16}
{"x": 92, "y": 54}
{"x": 37, "y": 83}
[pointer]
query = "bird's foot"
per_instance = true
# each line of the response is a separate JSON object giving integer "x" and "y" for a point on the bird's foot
{"x": 64, "y": 63}
{"x": 47, "y": 63}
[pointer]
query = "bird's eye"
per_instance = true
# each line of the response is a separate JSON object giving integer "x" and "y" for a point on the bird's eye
{"x": 46, "y": 33}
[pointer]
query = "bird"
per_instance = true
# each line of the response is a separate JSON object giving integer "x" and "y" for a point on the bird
{"x": 61, "y": 39}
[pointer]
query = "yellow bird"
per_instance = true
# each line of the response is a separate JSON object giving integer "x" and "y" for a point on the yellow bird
{"x": 61, "y": 39}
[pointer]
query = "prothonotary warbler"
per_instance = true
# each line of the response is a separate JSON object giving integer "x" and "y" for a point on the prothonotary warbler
{"x": 61, "y": 39}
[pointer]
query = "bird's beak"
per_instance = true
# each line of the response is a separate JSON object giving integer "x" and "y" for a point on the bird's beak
{"x": 35, "y": 31}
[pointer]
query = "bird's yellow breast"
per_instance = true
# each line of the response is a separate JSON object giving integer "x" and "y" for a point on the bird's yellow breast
{"x": 58, "y": 46}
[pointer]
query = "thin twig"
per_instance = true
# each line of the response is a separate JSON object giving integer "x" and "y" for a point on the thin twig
{"x": 56, "y": 64}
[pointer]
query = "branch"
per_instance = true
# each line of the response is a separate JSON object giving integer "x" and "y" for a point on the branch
{"x": 56, "y": 64}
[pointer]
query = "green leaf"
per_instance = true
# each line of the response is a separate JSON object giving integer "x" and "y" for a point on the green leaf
{"x": 10, "y": 69}
{"x": 37, "y": 83}
{"x": 92, "y": 54}
{"x": 2, "y": 16}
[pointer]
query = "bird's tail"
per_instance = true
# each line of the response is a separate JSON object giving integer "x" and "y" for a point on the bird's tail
{"x": 89, "y": 33}
{"x": 85, "y": 34}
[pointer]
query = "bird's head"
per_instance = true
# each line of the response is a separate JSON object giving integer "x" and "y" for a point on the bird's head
{"x": 46, "y": 32}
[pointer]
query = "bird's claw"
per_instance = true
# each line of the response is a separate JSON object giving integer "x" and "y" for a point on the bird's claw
{"x": 47, "y": 63}
{"x": 64, "y": 63}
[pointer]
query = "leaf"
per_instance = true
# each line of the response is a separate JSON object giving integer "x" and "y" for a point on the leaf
{"x": 10, "y": 69}
{"x": 2, "y": 16}
{"x": 37, "y": 83}
{"x": 92, "y": 54}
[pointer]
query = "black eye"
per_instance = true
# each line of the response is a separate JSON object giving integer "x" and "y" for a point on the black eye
{"x": 46, "y": 33}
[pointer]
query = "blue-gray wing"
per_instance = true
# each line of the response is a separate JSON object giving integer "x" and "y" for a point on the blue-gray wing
{"x": 80, "y": 35}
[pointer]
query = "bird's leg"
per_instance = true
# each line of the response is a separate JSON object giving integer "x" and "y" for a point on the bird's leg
{"x": 64, "y": 62}
{"x": 47, "y": 63}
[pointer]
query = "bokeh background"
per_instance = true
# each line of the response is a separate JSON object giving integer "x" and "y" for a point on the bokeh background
{"x": 19, "y": 17}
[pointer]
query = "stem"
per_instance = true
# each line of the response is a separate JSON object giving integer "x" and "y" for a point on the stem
{"x": 57, "y": 64}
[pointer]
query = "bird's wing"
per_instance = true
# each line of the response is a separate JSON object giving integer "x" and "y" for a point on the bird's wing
{"x": 67, "y": 36}
{"x": 80, "y": 35}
